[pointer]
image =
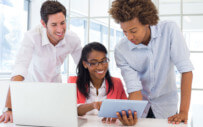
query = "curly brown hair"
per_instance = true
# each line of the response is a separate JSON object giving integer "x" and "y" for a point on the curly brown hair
{"x": 126, "y": 10}
{"x": 51, "y": 7}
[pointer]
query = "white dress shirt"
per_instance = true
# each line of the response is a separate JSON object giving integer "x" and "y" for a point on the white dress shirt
{"x": 93, "y": 97}
{"x": 40, "y": 61}
{"x": 150, "y": 68}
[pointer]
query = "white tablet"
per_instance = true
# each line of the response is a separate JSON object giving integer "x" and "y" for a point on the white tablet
{"x": 109, "y": 107}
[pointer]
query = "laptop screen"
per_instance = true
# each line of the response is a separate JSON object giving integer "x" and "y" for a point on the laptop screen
{"x": 44, "y": 104}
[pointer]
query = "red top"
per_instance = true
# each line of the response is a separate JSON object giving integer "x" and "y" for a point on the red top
{"x": 117, "y": 93}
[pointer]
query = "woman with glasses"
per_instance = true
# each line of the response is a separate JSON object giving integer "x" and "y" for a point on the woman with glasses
{"x": 94, "y": 82}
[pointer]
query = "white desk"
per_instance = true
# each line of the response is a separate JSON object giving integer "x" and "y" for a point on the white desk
{"x": 95, "y": 121}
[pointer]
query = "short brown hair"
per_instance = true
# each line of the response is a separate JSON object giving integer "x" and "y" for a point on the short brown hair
{"x": 126, "y": 10}
{"x": 51, "y": 7}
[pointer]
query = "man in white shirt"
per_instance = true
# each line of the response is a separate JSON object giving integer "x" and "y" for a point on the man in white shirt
{"x": 44, "y": 50}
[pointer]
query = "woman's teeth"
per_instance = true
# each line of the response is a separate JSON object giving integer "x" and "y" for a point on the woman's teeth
{"x": 100, "y": 72}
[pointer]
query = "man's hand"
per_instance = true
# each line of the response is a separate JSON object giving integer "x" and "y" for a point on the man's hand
{"x": 127, "y": 121}
{"x": 186, "y": 86}
{"x": 6, "y": 117}
{"x": 178, "y": 118}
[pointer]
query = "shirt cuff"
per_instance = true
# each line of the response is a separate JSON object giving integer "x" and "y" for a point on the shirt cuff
{"x": 132, "y": 86}
{"x": 19, "y": 71}
{"x": 185, "y": 66}
{"x": 79, "y": 104}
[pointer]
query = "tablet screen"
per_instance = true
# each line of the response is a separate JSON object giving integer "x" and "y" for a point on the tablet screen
{"x": 109, "y": 107}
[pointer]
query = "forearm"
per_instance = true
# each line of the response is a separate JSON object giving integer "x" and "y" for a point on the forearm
{"x": 17, "y": 78}
{"x": 8, "y": 99}
{"x": 137, "y": 95}
{"x": 84, "y": 108}
{"x": 186, "y": 86}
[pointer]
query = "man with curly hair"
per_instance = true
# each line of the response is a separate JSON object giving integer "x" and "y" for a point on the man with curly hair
{"x": 147, "y": 55}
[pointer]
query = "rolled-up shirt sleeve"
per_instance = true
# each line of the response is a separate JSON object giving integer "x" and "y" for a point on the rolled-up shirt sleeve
{"x": 23, "y": 57}
{"x": 130, "y": 76}
{"x": 180, "y": 54}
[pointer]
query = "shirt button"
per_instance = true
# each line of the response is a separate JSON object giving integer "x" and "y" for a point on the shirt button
{"x": 153, "y": 88}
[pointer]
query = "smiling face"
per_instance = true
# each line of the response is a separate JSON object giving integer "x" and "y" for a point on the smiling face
{"x": 96, "y": 72}
{"x": 136, "y": 32}
{"x": 56, "y": 27}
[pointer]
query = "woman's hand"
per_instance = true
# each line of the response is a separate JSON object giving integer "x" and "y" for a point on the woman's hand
{"x": 97, "y": 105}
{"x": 109, "y": 120}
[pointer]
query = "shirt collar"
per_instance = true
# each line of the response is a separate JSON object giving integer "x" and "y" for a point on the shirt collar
{"x": 133, "y": 46}
{"x": 155, "y": 31}
{"x": 45, "y": 39}
{"x": 154, "y": 34}
{"x": 102, "y": 86}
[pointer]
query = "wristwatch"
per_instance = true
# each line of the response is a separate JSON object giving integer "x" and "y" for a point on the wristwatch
{"x": 6, "y": 109}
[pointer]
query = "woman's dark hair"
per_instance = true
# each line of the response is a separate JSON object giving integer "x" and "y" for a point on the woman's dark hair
{"x": 83, "y": 79}
{"x": 51, "y": 7}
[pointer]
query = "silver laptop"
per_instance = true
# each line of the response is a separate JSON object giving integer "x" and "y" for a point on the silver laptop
{"x": 44, "y": 104}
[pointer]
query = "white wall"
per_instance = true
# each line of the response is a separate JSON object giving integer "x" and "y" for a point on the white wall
{"x": 35, "y": 6}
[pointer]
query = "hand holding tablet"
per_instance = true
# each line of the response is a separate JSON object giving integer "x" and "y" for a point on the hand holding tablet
{"x": 110, "y": 107}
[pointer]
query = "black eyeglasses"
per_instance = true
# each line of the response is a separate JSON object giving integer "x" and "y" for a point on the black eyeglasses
{"x": 96, "y": 64}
